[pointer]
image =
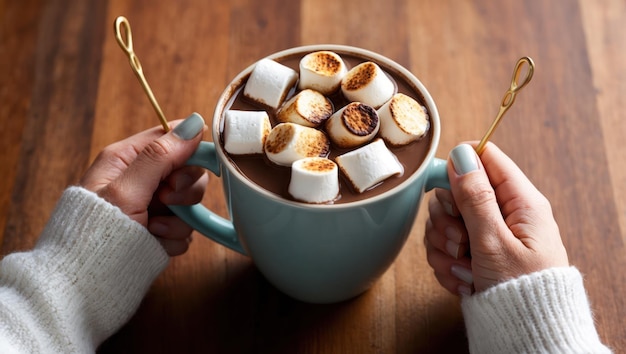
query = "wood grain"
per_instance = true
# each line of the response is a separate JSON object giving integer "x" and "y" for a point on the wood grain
{"x": 67, "y": 91}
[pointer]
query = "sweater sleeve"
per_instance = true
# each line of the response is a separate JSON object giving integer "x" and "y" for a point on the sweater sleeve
{"x": 543, "y": 312}
{"x": 85, "y": 278}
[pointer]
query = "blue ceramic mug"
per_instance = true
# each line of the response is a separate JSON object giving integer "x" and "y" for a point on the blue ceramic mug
{"x": 315, "y": 253}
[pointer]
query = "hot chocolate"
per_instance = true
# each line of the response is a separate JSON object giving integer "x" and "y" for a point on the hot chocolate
{"x": 275, "y": 178}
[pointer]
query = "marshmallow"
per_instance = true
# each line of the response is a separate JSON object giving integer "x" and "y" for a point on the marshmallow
{"x": 369, "y": 165}
{"x": 269, "y": 83}
{"x": 353, "y": 125}
{"x": 321, "y": 71}
{"x": 314, "y": 180}
{"x": 309, "y": 108}
{"x": 288, "y": 142}
{"x": 402, "y": 120}
{"x": 369, "y": 84}
{"x": 245, "y": 131}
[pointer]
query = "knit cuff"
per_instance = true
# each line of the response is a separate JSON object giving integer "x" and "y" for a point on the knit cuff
{"x": 89, "y": 271}
{"x": 546, "y": 311}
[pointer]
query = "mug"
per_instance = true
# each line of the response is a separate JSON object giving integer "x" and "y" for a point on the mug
{"x": 317, "y": 253}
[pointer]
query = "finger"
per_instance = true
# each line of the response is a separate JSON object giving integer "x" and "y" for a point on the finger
{"x": 446, "y": 199}
{"x": 446, "y": 233}
{"x": 437, "y": 240}
{"x": 184, "y": 186}
{"x": 114, "y": 159}
{"x": 186, "y": 196}
{"x": 443, "y": 266}
{"x": 162, "y": 156}
{"x": 169, "y": 227}
{"x": 174, "y": 247}
{"x": 184, "y": 177}
{"x": 453, "y": 285}
{"x": 133, "y": 190}
{"x": 527, "y": 212}
{"x": 511, "y": 184}
{"x": 502, "y": 170}
{"x": 476, "y": 200}
{"x": 452, "y": 227}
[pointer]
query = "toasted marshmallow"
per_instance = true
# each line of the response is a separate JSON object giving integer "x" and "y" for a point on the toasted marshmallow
{"x": 322, "y": 71}
{"x": 369, "y": 165}
{"x": 288, "y": 142}
{"x": 309, "y": 108}
{"x": 353, "y": 125}
{"x": 314, "y": 180}
{"x": 367, "y": 83}
{"x": 402, "y": 120}
{"x": 245, "y": 131}
{"x": 270, "y": 82}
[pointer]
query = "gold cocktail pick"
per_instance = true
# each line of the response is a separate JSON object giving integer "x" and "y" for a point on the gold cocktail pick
{"x": 509, "y": 97}
{"x": 122, "y": 26}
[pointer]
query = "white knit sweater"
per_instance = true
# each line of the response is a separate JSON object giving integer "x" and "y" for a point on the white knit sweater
{"x": 84, "y": 279}
{"x": 543, "y": 312}
{"x": 92, "y": 266}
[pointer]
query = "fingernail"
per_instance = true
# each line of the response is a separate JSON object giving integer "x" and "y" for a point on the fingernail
{"x": 462, "y": 273}
{"x": 464, "y": 159}
{"x": 190, "y": 127}
{"x": 447, "y": 206}
{"x": 452, "y": 248}
{"x": 464, "y": 290}
{"x": 452, "y": 233}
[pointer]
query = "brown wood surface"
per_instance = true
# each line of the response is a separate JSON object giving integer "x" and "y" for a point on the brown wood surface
{"x": 66, "y": 91}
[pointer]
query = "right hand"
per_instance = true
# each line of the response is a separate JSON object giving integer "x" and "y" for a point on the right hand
{"x": 494, "y": 210}
{"x": 145, "y": 172}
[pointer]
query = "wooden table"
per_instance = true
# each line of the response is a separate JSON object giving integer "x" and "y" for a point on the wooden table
{"x": 66, "y": 91}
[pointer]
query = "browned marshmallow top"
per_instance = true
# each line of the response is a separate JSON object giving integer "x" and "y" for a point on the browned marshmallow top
{"x": 360, "y": 119}
{"x": 409, "y": 115}
{"x": 313, "y": 143}
{"x": 359, "y": 76}
{"x": 279, "y": 138}
{"x": 310, "y": 106}
{"x": 319, "y": 165}
{"x": 323, "y": 63}
{"x": 307, "y": 142}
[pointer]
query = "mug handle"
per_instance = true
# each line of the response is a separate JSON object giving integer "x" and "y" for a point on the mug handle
{"x": 438, "y": 175}
{"x": 198, "y": 216}
{"x": 222, "y": 230}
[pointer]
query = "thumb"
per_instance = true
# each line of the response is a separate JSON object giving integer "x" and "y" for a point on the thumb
{"x": 137, "y": 184}
{"x": 475, "y": 198}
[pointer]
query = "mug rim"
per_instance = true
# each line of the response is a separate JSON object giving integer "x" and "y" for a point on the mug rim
{"x": 228, "y": 94}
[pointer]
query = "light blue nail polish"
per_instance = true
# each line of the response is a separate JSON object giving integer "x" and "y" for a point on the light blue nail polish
{"x": 464, "y": 159}
{"x": 190, "y": 127}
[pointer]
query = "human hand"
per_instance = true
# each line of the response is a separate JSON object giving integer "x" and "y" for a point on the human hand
{"x": 146, "y": 171}
{"x": 496, "y": 211}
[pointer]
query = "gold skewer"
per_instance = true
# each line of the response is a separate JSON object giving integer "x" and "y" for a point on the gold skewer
{"x": 509, "y": 97}
{"x": 123, "y": 26}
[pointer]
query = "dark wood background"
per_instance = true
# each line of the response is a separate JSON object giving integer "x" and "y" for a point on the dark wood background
{"x": 66, "y": 91}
